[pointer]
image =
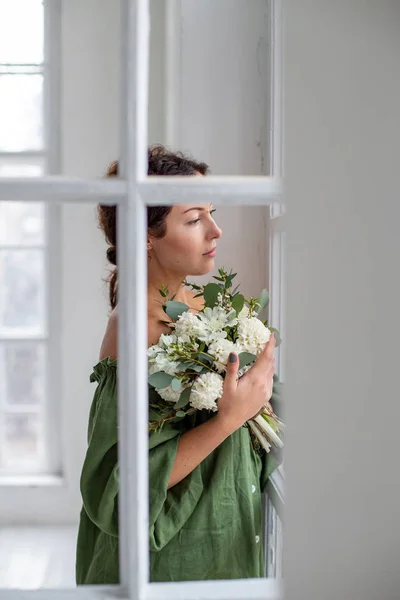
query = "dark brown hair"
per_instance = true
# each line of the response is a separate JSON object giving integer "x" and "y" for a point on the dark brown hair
{"x": 161, "y": 161}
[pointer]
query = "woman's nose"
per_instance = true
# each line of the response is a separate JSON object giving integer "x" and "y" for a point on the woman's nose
{"x": 217, "y": 232}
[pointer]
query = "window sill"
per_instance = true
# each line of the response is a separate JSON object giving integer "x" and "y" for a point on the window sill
{"x": 32, "y": 481}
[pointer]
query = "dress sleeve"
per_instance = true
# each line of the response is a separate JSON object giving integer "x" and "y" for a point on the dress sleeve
{"x": 272, "y": 460}
{"x": 169, "y": 508}
{"x": 99, "y": 478}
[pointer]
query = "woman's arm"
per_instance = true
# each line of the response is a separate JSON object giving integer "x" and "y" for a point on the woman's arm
{"x": 240, "y": 401}
{"x": 196, "y": 444}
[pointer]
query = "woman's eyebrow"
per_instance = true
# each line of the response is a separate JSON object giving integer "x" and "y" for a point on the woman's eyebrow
{"x": 194, "y": 208}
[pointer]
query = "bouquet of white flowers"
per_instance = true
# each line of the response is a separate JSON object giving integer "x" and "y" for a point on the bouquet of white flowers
{"x": 187, "y": 367}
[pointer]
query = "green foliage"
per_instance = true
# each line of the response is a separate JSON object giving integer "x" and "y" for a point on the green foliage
{"x": 238, "y": 303}
{"x": 175, "y": 309}
{"x": 176, "y": 385}
{"x": 246, "y": 358}
{"x": 160, "y": 380}
{"x": 211, "y": 291}
{"x": 184, "y": 399}
{"x": 277, "y": 336}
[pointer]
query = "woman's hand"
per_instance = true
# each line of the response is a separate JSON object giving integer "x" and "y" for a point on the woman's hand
{"x": 244, "y": 398}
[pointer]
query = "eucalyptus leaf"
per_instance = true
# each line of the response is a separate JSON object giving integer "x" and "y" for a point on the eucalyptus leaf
{"x": 211, "y": 291}
{"x": 160, "y": 380}
{"x": 184, "y": 398}
{"x": 197, "y": 367}
{"x": 176, "y": 385}
{"x": 175, "y": 309}
{"x": 278, "y": 338}
{"x": 183, "y": 366}
{"x": 246, "y": 358}
{"x": 153, "y": 416}
{"x": 180, "y": 413}
{"x": 263, "y": 299}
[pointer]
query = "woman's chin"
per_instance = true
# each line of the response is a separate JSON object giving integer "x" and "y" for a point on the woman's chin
{"x": 203, "y": 269}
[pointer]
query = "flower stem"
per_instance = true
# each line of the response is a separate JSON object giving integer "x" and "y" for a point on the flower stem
{"x": 266, "y": 427}
{"x": 259, "y": 436}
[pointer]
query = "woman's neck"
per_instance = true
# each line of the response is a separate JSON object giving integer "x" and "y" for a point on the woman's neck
{"x": 175, "y": 288}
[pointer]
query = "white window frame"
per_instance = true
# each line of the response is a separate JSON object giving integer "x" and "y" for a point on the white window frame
{"x": 49, "y": 156}
{"x": 133, "y": 192}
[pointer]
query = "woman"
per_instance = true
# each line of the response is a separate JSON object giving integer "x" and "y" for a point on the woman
{"x": 206, "y": 479}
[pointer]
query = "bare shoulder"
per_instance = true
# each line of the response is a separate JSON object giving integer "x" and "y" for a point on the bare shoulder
{"x": 109, "y": 346}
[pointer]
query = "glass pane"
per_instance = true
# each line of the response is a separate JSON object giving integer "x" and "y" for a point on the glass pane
{"x": 21, "y": 31}
{"x": 11, "y": 169}
{"x": 22, "y": 371}
{"x": 22, "y": 223}
{"x": 21, "y": 114}
{"x": 20, "y": 441}
{"x": 22, "y": 292}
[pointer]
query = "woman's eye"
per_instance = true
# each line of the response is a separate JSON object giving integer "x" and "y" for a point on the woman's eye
{"x": 199, "y": 219}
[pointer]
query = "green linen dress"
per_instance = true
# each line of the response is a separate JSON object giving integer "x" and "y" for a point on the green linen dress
{"x": 208, "y": 526}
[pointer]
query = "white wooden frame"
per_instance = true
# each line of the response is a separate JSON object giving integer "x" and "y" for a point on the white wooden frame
{"x": 132, "y": 192}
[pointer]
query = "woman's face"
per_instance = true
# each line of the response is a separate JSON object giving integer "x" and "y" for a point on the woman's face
{"x": 191, "y": 234}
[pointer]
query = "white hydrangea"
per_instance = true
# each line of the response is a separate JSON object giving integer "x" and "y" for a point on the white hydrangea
{"x": 187, "y": 325}
{"x": 244, "y": 313}
{"x": 169, "y": 394}
{"x": 166, "y": 340}
{"x": 214, "y": 321}
{"x": 253, "y": 335}
{"x": 220, "y": 350}
{"x": 162, "y": 362}
{"x": 205, "y": 391}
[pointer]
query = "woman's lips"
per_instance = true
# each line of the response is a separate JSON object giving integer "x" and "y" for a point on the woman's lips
{"x": 212, "y": 253}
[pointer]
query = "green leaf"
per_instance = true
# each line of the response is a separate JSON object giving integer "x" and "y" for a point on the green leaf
{"x": 164, "y": 291}
{"x": 160, "y": 380}
{"x": 180, "y": 413}
{"x": 184, "y": 398}
{"x": 211, "y": 291}
{"x": 197, "y": 367}
{"x": 175, "y": 309}
{"x": 176, "y": 385}
{"x": 238, "y": 303}
{"x": 235, "y": 290}
{"x": 263, "y": 299}
{"x": 204, "y": 358}
{"x": 183, "y": 366}
{"x": 153, "y": 416}
{"x": 277, "y": 336}
{"x": 246, "y": 358}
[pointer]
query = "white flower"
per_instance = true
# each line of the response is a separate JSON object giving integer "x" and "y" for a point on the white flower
{"x": 244, "y": 313}
{"x": 166, "y": 340}
{"x": 188, "y": 324}
{"x": 162, "y": 362}
{"x": 169, "y": 394}
{"x": 205, "y": 391}
{"x": 214, "y": 321}
{"x": 221, "y": 350}
{"x": 253, "y": 335}
{"x": 153, "y": 350}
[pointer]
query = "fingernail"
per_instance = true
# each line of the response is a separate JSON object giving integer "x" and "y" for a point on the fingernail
{"x": 232, "y": 357}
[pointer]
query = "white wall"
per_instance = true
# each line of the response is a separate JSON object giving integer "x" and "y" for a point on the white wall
{"x": 221, "y": 103}
{"x": 342, "y": 526}
{"x": 222, "y": 97}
